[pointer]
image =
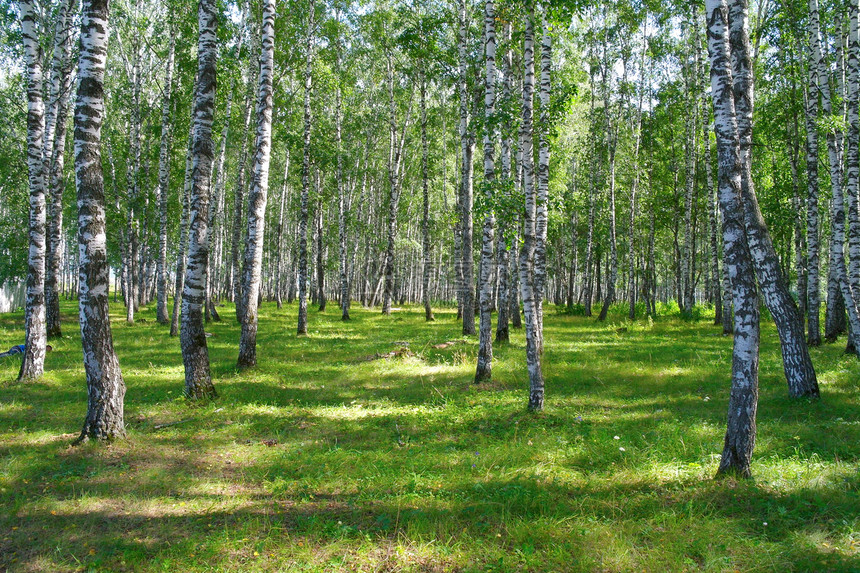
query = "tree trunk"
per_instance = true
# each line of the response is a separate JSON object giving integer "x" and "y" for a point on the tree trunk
{"x": 837, "y": 210}
{"x": 611, "y": 140}
{"x": 161, "y": 315}
{"x": 813, "y": 301}
{"x": 61, "y": 87}
{"x": 713, "y": 215}
{"x": 506, "y": 287}
{"x": 195, "y": 353}
{"x": 306, "y": 180}
{"x": 321, "y": 259}
{"x": 279, "y": 287}
{"x": 425, "y": 210}
{"x": 743, "y": 399}
{"x": 467, "y": 148}
{"x": 342, "y": 203}
{"x": 484, "y": 367}
{"x": 33, "y": 363}
{"x": 686, "y": 272}
{"x": 182, "y": 250}
{"x": 796, "y": 360}
{"x": 527, "y": 253}
{"x": 105, "y": 386}
{"x": 258, "y": 195}
{"x": 852, "y": 156}
{"x": 541, "y": 211}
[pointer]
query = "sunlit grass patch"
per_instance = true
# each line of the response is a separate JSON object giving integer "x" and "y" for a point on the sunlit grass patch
{"x": 367, "y": 445}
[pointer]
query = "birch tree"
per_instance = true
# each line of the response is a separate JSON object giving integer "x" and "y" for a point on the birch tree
{"x": 105, "y": 386}
{"x": 813, "y": 301}
{"x": 306, "y": 181}
{"x": 743, "y": 398}
{"x": 527, "y": 252}
{"x": 33, "y": 362}
{"x": 161, "y": 314}
{"x": 837, "y": 209}
{"x": 485, "y": 344}
{"x": 258, "y": 194}
{"x": 467, "y": 146}
{"x": 54, "y": 157}
{"x": 797, "y": 362}
{"x": 195, "y": 353}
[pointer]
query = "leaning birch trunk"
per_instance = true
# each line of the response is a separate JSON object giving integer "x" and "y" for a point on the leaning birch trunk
{"x": 306, "y": 181}
{"x": 542, "y": 214}
{"x": 33, "y": 363}
{"x": 258, "y": 194}
{"x": 105, "y": 386}
{"x": 813, "y": 292}
{"x": 796, "y": 360}
{"x": 195, "y": 353}
{"x": 164, "y": 186}
{"x": 527, "y": 252}
{"x": 484, "y": 368}
{"x": 425, "y": 208}
{"x": 743, "y": 399}
{"x": 61, "y": 87}
{"x": 837, "y": 210}
{"x": 466, "y": 195}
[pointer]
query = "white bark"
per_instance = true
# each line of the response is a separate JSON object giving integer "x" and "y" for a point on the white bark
{"x": 105, "y": 386}
{"x": 527, "y": 253}
{"x": 258, "y": 195}
{"x": 485, "y": 342}
{"x": 195, "y": 353}
{"x": 743, "y": 400}
{"x": 33, "y": 362}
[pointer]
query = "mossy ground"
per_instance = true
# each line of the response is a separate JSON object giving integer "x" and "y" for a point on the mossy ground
{"x": 326, "y": 458}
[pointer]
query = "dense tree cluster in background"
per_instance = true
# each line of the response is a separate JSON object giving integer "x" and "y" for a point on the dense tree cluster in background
{"x": 646, "y": 154}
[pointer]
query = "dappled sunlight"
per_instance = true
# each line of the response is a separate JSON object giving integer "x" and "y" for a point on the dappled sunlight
{"x": 345, "y": 449}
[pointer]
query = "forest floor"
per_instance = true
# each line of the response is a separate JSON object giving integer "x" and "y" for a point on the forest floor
{"x": 366, "y": 446}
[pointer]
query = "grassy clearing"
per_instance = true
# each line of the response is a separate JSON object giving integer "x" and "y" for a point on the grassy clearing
{"x": 325, "y": 458}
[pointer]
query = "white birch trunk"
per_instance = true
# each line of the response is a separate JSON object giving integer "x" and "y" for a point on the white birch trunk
{"x": 485, "y": 340}
{"x": 195, "y": 353}
{"x": 61, "y": 87}
{"x": 467, "y": 146}
{"x": 743, "y": 399}
{"x": 258, "y": 195}
{"x": 837, "y": 209}
{"x": 105, "y": 386}
{"x": 797, "y": 362}
{"x": 306, "y": 172}
{"x": 527, "y": 253}
{"x": 425, "y": 208}
{"x": 541, "y": 208}
{"x": 161, "y": 314}
{"x": 33, "y": 362}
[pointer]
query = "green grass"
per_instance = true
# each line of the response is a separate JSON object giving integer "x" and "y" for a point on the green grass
{"x": 403, "y": 464}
